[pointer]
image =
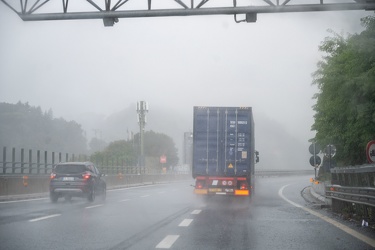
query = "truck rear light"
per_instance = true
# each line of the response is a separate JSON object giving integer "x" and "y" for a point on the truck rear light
{"x": 199, "y": 185}
{"x": 243, "y": 185}
{"x": 52, "y": 176}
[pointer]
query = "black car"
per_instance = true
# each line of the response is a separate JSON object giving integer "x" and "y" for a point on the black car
{"x": 76, "y": 179}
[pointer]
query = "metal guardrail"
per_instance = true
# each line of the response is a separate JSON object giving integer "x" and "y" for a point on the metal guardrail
{"x": 359, "y": 195}
{"x": 280, "y": 172}
{"x": 39, "y": 162}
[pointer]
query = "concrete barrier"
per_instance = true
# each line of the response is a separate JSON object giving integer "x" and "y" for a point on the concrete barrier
{"x": 15, "y": 185}
{"x": 22, "y": 185}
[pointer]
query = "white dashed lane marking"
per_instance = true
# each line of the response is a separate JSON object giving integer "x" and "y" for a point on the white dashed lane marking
{"x": 44, "y": 218}
{"x": 185, "y": 223}
{"x": 168, "y": 241}
{"x": 124, "y": 200}
{"x": 94, "y": 206}
{"x": 196, "y": 212}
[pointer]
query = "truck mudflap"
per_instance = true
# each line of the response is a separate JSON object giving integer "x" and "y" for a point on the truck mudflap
{"x": 233, "y": 186}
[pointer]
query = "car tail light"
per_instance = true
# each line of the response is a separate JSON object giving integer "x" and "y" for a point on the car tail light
{"x": 86, "y": 176}
{"x": 52, "y": 176}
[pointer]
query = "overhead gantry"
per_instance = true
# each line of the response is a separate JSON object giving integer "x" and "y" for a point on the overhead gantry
{"x": 111, "y": 11}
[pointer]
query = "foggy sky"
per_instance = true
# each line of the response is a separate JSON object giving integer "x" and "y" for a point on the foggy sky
{"x": 175, "y": 63}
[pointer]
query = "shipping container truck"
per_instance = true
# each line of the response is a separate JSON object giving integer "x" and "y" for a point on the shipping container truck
{"x": 224, "y": 153}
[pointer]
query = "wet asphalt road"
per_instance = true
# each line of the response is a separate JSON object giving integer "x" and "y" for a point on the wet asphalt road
{"x": 170, "y": 216}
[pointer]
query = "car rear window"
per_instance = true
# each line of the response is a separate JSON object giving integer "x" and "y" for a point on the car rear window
{"x": 70, "y": 169}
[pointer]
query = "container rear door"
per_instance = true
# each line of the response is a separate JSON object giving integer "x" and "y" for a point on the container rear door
{"x": 222, "y": 141}
{"x": 237, "y": 141}
{"x": 206, "y": 144}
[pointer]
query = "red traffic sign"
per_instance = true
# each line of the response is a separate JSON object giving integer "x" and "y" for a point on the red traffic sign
{"x": 163, "y": 159}
{"x": 370, "y": 151}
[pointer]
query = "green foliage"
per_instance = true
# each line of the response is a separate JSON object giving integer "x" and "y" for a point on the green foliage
{"x": 97, "y": 145}
{"x": 126, "y": 152}
{"x": 345, "y": 108}
{"x": 24, "y": 126}
{"x": 116, "y": 153}
{"x": 157, "y": 144}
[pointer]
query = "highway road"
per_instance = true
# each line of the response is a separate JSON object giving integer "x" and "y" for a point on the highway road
{"x": 170, "y": 216}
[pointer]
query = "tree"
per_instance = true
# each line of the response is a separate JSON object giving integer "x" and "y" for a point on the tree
{"x": 97, "y": 145}
{"x": 24, "y": 126}
{"x": 118, "y": 152}
{"x": 156, "y": 145}
{"x": 345, "y": 107}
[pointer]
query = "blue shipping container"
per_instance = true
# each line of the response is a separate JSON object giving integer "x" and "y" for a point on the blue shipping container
{"x": 223, "y": 141}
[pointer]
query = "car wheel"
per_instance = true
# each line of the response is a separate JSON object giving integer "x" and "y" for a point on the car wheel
{"x": 91, "y": 196}
{"x": 104, "y": 194}
{"x": 53, "y": 197}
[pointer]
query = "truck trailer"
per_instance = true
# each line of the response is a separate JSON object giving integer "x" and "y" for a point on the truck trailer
{"x": 224, "y": 153}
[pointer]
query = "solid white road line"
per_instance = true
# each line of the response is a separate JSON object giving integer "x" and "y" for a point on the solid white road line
{"x": 126, "y": 188}
{"x": 344, "y": 228}
{"x": 168, "y": 241}
{"x": 38, "y": 199}
{"x": 144, "y": 196}
{"x": 196, "y": 212}
{"x": 45, "y": 217}
{"x": 109, "y": 190}
{"x": 94, "y": 206}
{"x": 185, "y": 223}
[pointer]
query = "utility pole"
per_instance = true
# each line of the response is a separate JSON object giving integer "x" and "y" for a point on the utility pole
{"x": 142, "y": 109}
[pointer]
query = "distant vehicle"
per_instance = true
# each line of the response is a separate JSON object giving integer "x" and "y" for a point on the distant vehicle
{"x": 224, "y": 153}
{"x": 76, "y": 179}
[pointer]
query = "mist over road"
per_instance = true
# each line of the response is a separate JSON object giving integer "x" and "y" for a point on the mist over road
{"x": 171, "y": 216}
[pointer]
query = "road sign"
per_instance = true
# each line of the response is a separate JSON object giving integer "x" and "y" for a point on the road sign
{"x": 163, "y": 159}
{"x": 330, "y": 151}
{"x": 370, "y": 151}
{"x": 314, "y": 149}
{"x": 315, "y": 161}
